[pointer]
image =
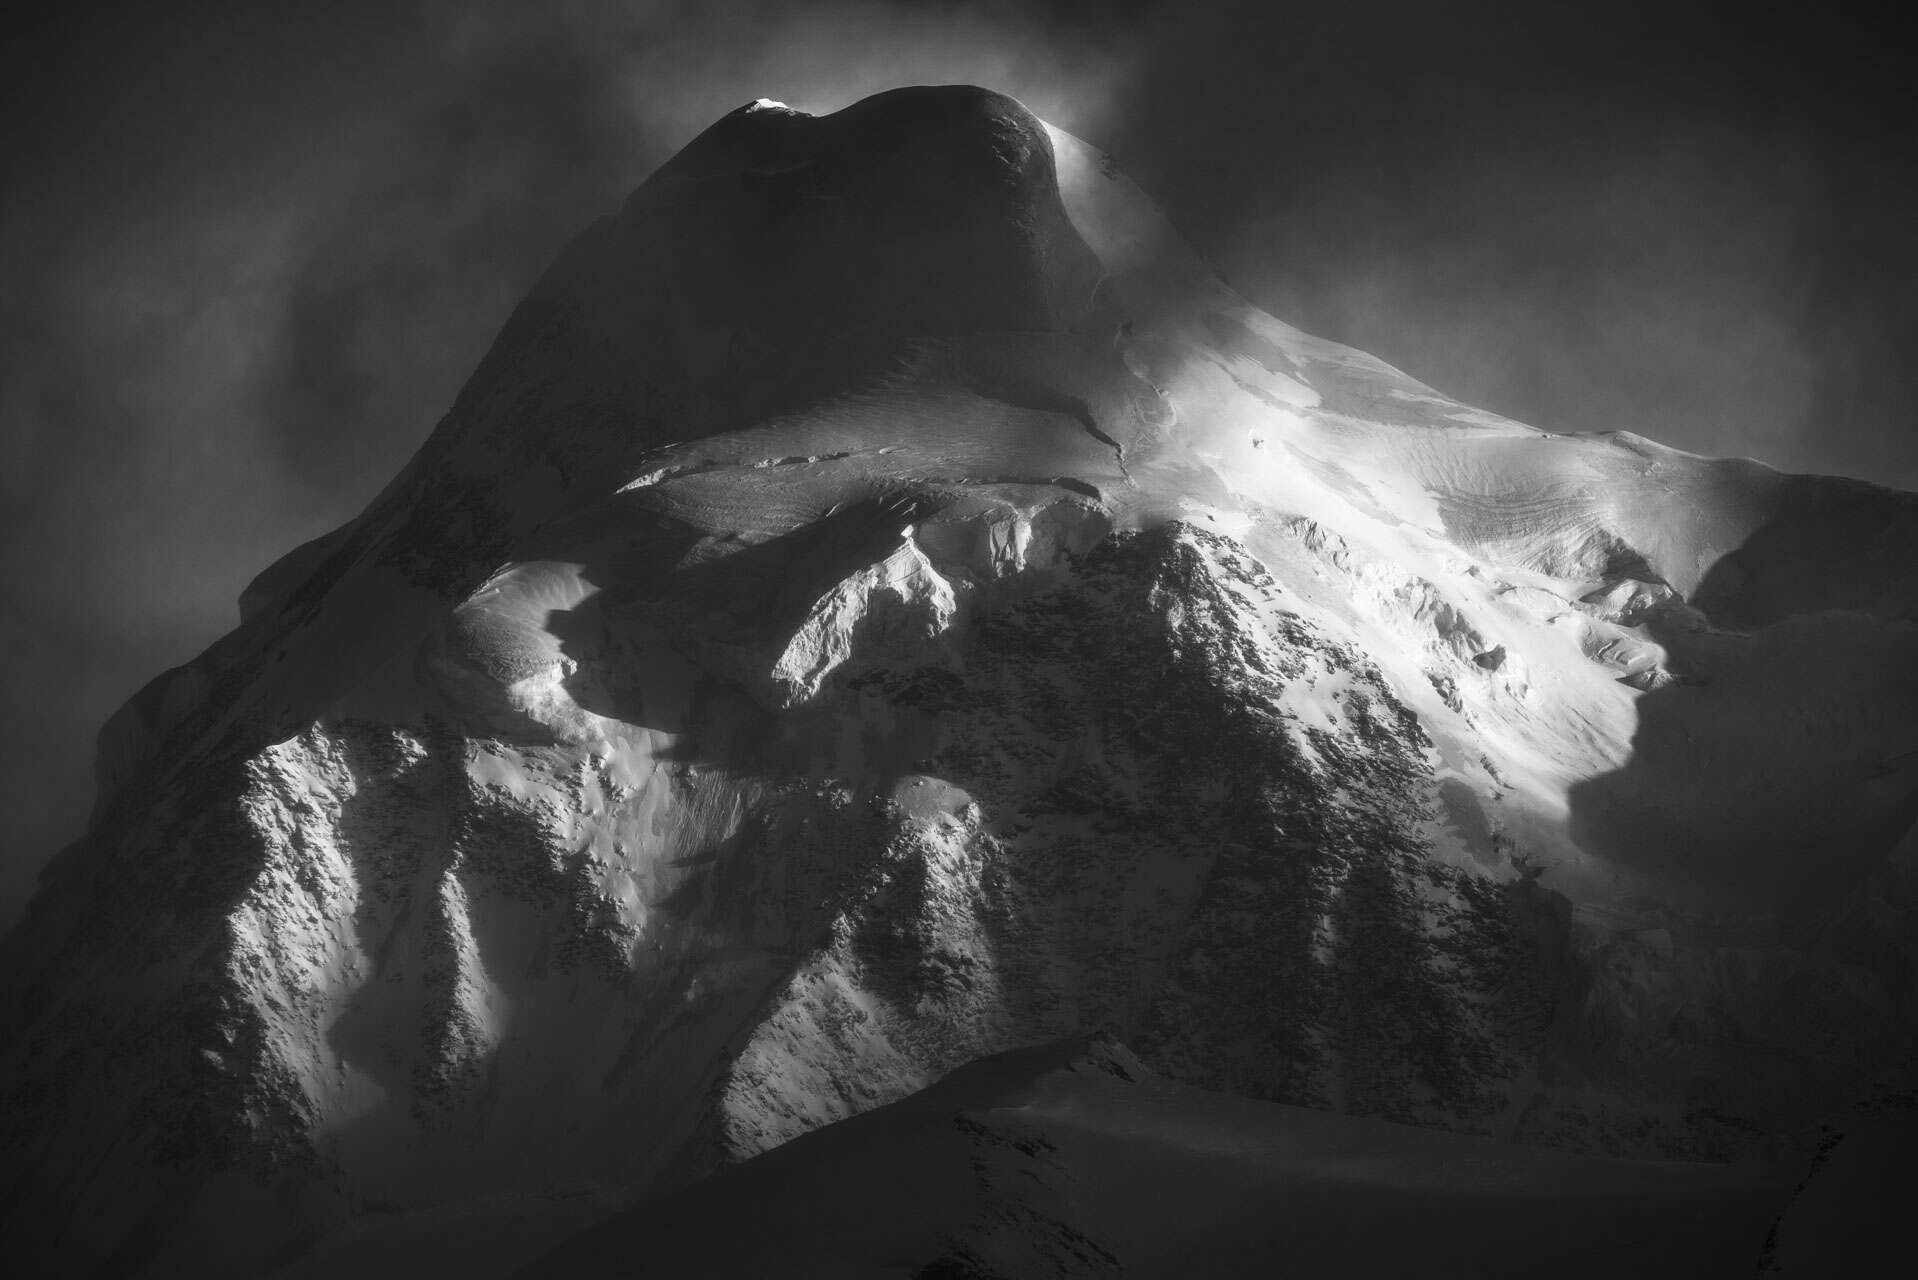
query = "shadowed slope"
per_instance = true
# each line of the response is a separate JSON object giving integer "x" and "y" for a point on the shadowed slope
{"x": 1074, "y": 1161}
{"x": 883, "y": 600}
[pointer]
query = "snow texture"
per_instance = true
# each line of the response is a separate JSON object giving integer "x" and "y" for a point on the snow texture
{"x": 883, "y": 600}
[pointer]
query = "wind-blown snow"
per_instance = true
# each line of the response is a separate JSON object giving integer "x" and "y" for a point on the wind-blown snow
{"x": 883, "y": 600}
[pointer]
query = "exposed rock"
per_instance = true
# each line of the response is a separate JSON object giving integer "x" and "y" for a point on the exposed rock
{"x": 884, "y": 601}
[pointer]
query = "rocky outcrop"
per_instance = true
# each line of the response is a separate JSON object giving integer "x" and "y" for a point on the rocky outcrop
{"x": 883, "y": 601}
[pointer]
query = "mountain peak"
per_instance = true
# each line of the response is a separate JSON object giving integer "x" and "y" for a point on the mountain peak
{"x": 883, "y": 601}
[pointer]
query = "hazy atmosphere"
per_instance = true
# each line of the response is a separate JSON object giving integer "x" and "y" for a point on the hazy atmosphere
{"x": 247, "y": 255}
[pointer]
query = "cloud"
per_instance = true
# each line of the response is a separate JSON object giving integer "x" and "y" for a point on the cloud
{"x": 1660, "y": 290}
{"x": 248, "y": 253}
{"x": 247, "y": 260}
{"x": 1625, "y": 217}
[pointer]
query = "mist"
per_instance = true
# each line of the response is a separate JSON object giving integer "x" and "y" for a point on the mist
{"x": 247, "y": 257}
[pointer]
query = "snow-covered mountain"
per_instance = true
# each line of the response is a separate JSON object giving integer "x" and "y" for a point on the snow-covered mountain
{"x": 883, "y": 601}
{"x": 1074, "y": 1159}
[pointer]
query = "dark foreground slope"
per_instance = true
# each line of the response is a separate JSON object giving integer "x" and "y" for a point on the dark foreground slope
{"x": 883, "y": 601}
{"x": 1073, "y": 1160}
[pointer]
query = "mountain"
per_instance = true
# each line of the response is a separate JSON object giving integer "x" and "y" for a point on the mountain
{"x": 883, "y": 601}
{"x": 1069, "y": 1158}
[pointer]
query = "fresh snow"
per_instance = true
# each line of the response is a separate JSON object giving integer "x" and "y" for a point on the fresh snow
{"x": 885, "y": 601}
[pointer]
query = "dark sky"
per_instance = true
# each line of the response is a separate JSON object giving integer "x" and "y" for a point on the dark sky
{"x": 248, "y": 252}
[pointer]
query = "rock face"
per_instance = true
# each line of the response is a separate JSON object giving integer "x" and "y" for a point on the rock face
{"x": 881, "y": 601}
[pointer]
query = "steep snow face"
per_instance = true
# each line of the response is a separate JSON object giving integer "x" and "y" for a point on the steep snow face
{"x": 883, "y": 600}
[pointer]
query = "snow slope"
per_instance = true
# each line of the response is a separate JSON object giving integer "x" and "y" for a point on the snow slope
{"x": 883, "y": 600}
{"x": 1073, "y": 1159}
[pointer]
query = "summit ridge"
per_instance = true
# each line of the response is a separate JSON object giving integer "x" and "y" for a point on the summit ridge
{"x": 883, "y": 601}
